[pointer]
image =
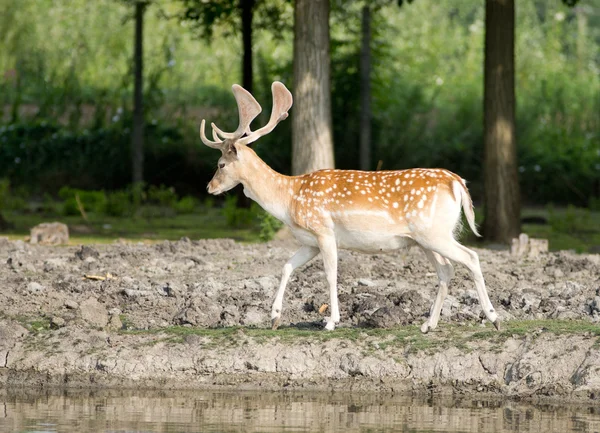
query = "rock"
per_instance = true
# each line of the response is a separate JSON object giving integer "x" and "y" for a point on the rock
{"x": 50, "y": 234}
{"x": 71, "y": 305}
{"x": 57, "y": 322}
{"x": 366, "y": 282}
{"x": 94, "y": 313}
{"x": 86, "y": 252}
{"x": 34, "y": 287}
{"x": 253, "y": 316}
{"x": 115, "y": 323}
{"x": 54, "y": 264}
{"x": 524, "y": 246}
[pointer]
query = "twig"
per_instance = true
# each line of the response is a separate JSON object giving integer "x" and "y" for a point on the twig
{"x": 80, "y": 207}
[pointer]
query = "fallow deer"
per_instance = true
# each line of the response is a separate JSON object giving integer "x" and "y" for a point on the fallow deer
{"x": 365, "y": 211}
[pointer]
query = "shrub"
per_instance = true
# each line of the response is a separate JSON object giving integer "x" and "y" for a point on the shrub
{"x": 91, "y": 201}
{"x": 185, "y": 205}
{"x": 119, "y": 203}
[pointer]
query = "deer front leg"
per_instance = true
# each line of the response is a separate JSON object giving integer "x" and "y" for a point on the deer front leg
{"x": 328, "y": 247}
{"x": 445, "y": 272}
{"x": 302, "y": 256}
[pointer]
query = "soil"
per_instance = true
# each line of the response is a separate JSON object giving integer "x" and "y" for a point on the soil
{"x": 130, "y": 315}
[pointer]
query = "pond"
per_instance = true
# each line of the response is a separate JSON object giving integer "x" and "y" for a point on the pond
{"x": 204, "y": 411}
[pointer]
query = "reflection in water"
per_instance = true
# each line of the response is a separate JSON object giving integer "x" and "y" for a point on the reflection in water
{"x": 202, "y": 411}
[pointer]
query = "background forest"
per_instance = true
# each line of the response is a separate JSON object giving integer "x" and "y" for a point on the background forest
{"x": 67, "y": 83}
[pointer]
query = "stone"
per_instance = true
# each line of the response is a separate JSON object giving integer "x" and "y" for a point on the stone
{"x": 94, "y": 313}
{"x": 86, "y": 252}
{"x": 253, "y": 316}
{"x": 50, "y": 234}
{"x": 524, "y": 246}
{"x": 34, "y": 287}
{"x": 57, "y": 322}
{"x": 366, "y": 282}
{"x": 71, "y": 305}
{"x": 115, "y": 323}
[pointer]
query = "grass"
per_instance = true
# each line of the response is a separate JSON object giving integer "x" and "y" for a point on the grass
{"x": 408, "y": 337}
{"x": 208, "y": 223}
{"x": 565, "y": 228}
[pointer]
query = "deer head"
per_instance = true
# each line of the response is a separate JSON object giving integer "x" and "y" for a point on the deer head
{"x": 233, "y": 165}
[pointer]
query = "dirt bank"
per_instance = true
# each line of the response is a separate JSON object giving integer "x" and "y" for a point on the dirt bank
{"x": 147, "y": 322}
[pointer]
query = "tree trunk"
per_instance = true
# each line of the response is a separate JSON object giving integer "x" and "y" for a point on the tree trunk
{"x": 365, "y": 91}
{"x": 247, "y": 6}
{"x": 247, "y": 74}
{"x": 502, "y": 196}
{"x": 312, "y": 138}
{"x": 137, "y": 143}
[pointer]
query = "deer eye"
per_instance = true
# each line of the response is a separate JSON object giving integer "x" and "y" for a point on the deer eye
{"x": 221, "y": 165}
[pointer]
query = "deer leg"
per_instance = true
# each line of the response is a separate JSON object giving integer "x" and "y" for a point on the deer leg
{"x": 302, "y": 256}
{"x": 460, "y": 254}
{"x": 328, "y": 247}
{"x": 445, "y": 272}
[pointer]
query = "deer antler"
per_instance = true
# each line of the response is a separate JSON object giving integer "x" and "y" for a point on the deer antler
{"x": 282, "y": 102}
{"x": 248, "y": 109}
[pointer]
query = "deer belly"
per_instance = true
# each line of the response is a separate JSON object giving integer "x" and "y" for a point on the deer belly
{"x": 371, "y": 241}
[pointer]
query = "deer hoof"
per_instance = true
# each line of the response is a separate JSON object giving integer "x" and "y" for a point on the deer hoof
{"x": 275, "y": 322}
{"x": 425, "y": 328}
{"x": 496, "y": 324}
{"x": 330, "y": 326}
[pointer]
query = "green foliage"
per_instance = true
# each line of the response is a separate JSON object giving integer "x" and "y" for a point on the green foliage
{"x": 239, "y": 217}
{"x": 161, "y": 195}
{"x": 185, "y": 205}
{"x": 269, "y": 226}
{"x": 570, "y": 221}
{"x": 91, "y": 201}
{"x": 66, "y": 92}
{"x": 119, "y": 203}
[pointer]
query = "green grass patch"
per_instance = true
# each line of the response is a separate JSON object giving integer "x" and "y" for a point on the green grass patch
{"x": 408, "y": 337}
{"x": 207, "y": 223}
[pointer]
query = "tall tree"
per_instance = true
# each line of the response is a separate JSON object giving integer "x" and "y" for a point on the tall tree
{"x": 312, "y": 137}
{"x": 502, "y": 194}
{"x": 137, "y": 141}
{"x": 365, "y": 90}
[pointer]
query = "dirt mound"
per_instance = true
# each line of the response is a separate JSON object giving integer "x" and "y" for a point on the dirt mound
{"x": 89, "y": 293}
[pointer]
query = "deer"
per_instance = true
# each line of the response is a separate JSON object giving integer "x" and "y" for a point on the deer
{"x": 365, "y": 211}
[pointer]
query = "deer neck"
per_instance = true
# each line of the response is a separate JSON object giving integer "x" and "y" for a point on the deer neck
{"x": 271, "y": 190}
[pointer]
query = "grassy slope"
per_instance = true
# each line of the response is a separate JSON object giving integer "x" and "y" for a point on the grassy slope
{"x": 576, "y": 229}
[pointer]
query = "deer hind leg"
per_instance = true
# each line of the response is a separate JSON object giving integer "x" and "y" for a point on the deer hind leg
{"x": 328, "y": 247}
{"x": 458, "y": 253}
{"x": 445, "y": 272}
{"x": 302, "y": 256}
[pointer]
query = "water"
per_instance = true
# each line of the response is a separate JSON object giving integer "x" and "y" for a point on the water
{"x": 113, "y": 411}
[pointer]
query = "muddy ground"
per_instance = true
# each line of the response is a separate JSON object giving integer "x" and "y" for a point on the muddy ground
{"x": 145, "y": 325}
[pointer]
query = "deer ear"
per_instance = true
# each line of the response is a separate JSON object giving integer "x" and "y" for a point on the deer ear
{"x": 232, "y": 149}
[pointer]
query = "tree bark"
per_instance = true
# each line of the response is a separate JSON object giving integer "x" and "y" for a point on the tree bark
{"x": 365, "y": 91}
{"x": 312, "y": 138}
{"x": 137, "y": 142}
{"x": 502, "y": 195}
{"x": 247, "y": 73}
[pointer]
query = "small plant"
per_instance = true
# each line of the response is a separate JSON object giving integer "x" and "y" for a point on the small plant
{"x": 185, "y": 205}
{"x": 162, "y": 195}
{"x": 269, "y": 226}
{"x": 119, "y": 203}
{"x": 238, "y": 217}
{"x": 76, "y": 199}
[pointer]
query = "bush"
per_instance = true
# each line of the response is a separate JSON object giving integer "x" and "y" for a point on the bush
{"x": 269, "y": 226}
{"x": 239, "y": 217}
{"x": 119, "y": 203}
{"x": 91, "y": 201}
{"x": 185, "y": 205}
